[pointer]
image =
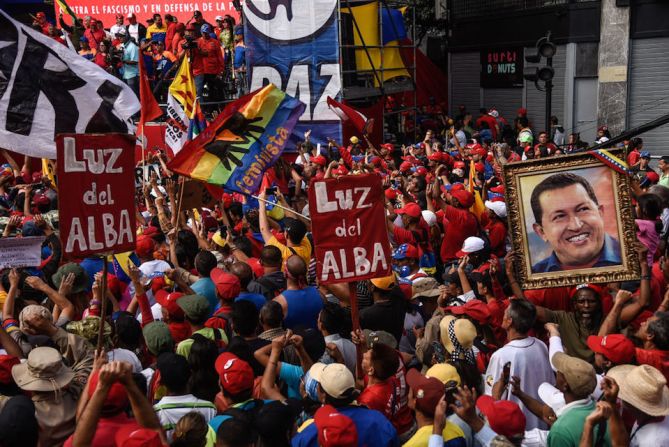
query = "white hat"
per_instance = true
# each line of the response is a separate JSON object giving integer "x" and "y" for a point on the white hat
{"x": 219, "y": 18}
{"x": 335, "y": 379}
{"x": 471, "y": 245}
{"x": 429, "y": 217}
{"x": 494, "y": 113}
{"x": 643, "y": 387}
{"x": 498, "y": 208}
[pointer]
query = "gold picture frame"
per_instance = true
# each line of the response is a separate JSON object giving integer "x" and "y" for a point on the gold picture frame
{"x": 537, "y": 267}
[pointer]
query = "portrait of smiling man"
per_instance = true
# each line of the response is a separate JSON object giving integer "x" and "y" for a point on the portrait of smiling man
{"x": 570, "y": 219}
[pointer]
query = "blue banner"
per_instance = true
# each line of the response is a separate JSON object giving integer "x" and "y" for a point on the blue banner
{"x": 294, "y": 44}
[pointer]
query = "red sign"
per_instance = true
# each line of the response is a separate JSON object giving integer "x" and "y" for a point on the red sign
{"x": 96, "y": 183}
{"x": 144, "y": 9}
{"x": 348, "y": 221}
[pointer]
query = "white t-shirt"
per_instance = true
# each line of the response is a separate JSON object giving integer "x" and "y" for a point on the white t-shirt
{"x": 529, "y": 361}
{"x": 124, "y": 355}
{"x": 655, "y": 434}
{"x": 134, "y": 32}
{"x": 172, "y": 408}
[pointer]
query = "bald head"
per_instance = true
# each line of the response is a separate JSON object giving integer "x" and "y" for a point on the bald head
{"x": 242, "y": 271}
{"x": 296, "y": 266}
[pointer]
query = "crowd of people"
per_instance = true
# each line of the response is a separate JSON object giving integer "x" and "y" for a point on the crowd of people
{"x": 217, "y": 331}
{"x": 217, "y": 52}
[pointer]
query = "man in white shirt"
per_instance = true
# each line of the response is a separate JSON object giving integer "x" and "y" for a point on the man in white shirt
{"x": 118, "y": 26}
{"x": 330, "y": 324}
{"x": 644, "y": 393}
{"x": 526, "y": 356}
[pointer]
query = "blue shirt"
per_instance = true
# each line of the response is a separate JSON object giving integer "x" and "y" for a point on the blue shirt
{"x": 374, "y": 429}
{"x": 303, "y": 305}
{"x": 256, "y": 298}
{"x": 291, "y": 376}
{"x": 240, "y": 56}
{"x": 206, "y": 288}
{"x": 130, "y": 53}
{"x": 610, "y": 255}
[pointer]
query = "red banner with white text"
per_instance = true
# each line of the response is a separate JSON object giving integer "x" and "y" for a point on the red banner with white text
{"x": 96, "y": 183}
{"x": 348, "y": 222}
{"x": 144, "y": 9}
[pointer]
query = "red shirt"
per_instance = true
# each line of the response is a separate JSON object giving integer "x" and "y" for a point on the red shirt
{"x": 497, "y": 235}
{"x": 492, "y": 124}
{"x": 94, "y": 37}
{"x": 105, "y": 432}
{"x": 655, "y": 358}
{"x": 633, "y": 157}
{"x": 213, "y": 61}
{"x": 169, "y": 36}
{"x": 459, "y": 224}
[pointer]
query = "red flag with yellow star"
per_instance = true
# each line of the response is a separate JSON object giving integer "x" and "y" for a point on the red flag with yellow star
{"x": 181, "y": 107}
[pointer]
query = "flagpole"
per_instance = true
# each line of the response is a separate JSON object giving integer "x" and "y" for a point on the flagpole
{"x": 266, "y": 201}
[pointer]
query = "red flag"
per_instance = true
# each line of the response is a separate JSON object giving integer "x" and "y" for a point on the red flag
{"x": 346, "y": 113}
{"x": 150, "y": 109}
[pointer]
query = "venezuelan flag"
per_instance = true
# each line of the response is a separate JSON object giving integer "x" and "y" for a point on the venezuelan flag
{"x": 243, "y": 142}
{"x": 118, "y": 265}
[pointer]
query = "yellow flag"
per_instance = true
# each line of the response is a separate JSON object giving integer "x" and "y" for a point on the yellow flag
{"x": 183, "y": 88}
{"x": 478, "y": 208}
{"x": 48, "y": 170}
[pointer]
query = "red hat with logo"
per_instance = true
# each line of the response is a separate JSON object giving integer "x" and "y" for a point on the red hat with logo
{"x": 391, "y": 194}
{"x": 434, "y": 156}
{"x": 227, "y": 285}
{"x": 499, "y": 189}
{"x": 340, "y": 170}
{"x": 505, "y": 417}
{"x": 459, "y": 165}
{"x": 426, "y": 390}
{"x": 334, "y": 429}
{"x": 480, "y": 167}
{"x": 474, "y": 309}
{"x": 40, "y": 15}
{"x": 235, "y": 374}
{"x": 405, "y": 166}
{"x": 411, "y": 209}
{"x": 465, "y": 198}
{"x": 421, "y": 171}
{"x": 389, "y": 147}
{"x": 480, "y": 150}
{"x": 169, "y": 302}
{"x": 7, "y": 362}
{"x": 615, "y": 347}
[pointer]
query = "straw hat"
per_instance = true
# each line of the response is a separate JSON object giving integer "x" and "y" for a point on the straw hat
{"x": 44, "y": 371}
{"x": 465, "y": 332}
{"x": 642, "y": 386}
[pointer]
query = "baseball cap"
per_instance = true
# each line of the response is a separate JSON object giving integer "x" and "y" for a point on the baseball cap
{"x": 144, "y": 246}
{"x": 445, "y": 372}
{"x": 499, "y": 208}
{"x": 335, "y": 379}
{"x": 227, "y": 285}
{"x": 459, "y": 165}
{"x": 385, "y": 282}
{"x": 644, "y": 154}
{"x": 475, "y": 309}
{"x": 505, "y": 417}
{"x": 130, "y": 15}
{"x": 615, "y": 347}
{"x": 465, "y": 198}
{"x": 421, "y": 171}
{"x": 334, "y": 429}
{"x": 380, "y": 337}
{"x": 319, "y": 160}
{"x": 169, "y": 302}
{"x": 429, "y": 217}
{"x": 405, "y": 166}
{"x": 426, "y": 390}
{"x": 405, "y": 251}
{"x": 594, "y": 287}
{"x": 391, "y": 194}
{"x": 194, "y": 307}
{"x": 235, "y": 374}
{"x": 471, "y": 245}
{"x": 133, "y": 435}
{"x": 219, "y": 18}
{"x": 579, "y": 374}
{"x": 410, "y": 209}
{"x": 117, "y": 397}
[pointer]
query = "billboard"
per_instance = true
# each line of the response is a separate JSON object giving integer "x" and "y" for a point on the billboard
{"x": 294, "y": 44}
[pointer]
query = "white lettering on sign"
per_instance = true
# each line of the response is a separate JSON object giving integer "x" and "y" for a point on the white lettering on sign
{"x": 345, "y": 199}
{"x": 86, "y": 239}
{"x": 96, "y": 161}
{"x": 335, "y": 263}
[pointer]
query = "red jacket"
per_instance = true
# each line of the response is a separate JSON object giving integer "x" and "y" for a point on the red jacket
{"x": 213, "y": 61}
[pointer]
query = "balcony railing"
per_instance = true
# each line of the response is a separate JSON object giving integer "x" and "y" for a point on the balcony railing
{"x": 466, "y": 9}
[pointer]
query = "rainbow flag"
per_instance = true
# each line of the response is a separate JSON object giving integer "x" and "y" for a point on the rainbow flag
{"x": 243, "y": 142}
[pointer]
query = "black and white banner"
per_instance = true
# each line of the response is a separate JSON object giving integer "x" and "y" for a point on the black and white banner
{"x": 46, "y": 89}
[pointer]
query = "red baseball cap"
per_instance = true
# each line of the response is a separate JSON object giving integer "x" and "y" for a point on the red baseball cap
{"x": 341, "y": 170}
{"x": 405, "y": 166}
{"x": 389, "y": 147}
{"x": 505, "y": 417}
{"x": 169, "y": 302}
{"x": 235, "y": 374}
{"x": 144, "y": 246}
{"x": 459, "y": 165}
{"x": 475, "y": 309}
{"x": 599, "y": 290}
{"x": 465, "y": 198}
{"x": 480, "y": 150}
{"x": 151, "y": 231}
{"x": 334, "y": 428}
{"x": 522, "y": 111}
{"x": 410, "y": 209}
{"x": 7, "y": 362}
{"x": 132, "y": 435}
{"x": 615, "y": 347}
{"x": 422, "y": 171}
{"x": 391, "y": 194}
{"x": 117, "y": 398}
{"x": 499, "y": 189}
{"x": 435, "y": 156}
{"x": 319, "y": 160}
{"x": 227, "y": 284}
{"x": 479, "y": 167}
{"x": 427, "y": 391}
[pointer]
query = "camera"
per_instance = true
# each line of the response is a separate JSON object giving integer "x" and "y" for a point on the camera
{"x": 270, "y": 191}
{"x": 449, "y": 392}
{"x": 189, "y": 44}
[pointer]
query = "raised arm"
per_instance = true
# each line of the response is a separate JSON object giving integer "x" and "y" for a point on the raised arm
{"x": 611, "y": 322}
{"x": 262, "y": 217}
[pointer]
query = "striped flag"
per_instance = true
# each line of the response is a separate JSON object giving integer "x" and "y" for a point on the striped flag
{"x": 184, "y": 117}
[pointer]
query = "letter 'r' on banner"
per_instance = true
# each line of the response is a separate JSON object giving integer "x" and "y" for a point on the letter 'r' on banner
{"x": 96, "y": 176}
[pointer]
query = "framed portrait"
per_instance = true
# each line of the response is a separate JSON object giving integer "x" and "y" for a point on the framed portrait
{"x": 570, "y": 221}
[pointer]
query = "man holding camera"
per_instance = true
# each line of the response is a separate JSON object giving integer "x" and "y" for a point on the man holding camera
{"x": 130, "y": 63}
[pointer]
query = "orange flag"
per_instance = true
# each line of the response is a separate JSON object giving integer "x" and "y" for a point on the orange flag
{"x": 150, "y": 109}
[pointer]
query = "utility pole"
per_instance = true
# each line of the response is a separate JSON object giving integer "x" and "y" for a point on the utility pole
{"x": 545, "y": 48}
